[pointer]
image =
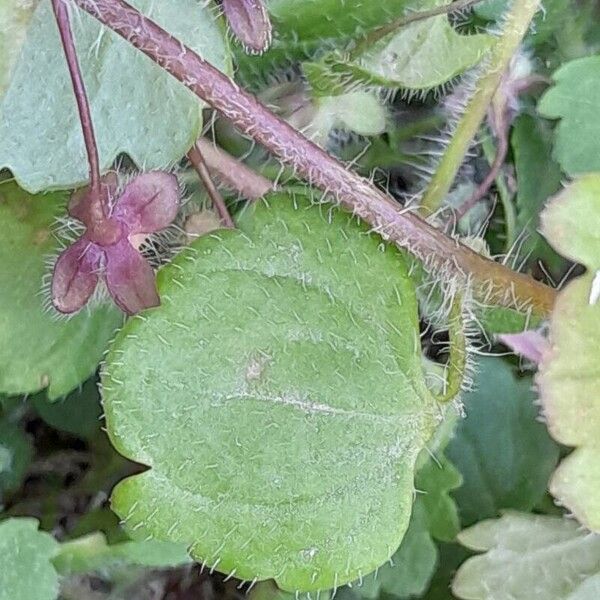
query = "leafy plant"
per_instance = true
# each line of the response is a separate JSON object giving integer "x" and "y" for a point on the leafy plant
{"x": 227, "y": 372}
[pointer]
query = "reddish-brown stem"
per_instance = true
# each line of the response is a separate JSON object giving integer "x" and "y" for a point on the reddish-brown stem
{"x": 233, "y": 173}
{"x": 198, "y": 162}
{"x": 492, "y": 282}
{"x": 61, "y": 12}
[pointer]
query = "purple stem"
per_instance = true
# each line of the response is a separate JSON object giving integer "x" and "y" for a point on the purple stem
{"x": 61, "y": 12}
{"x": 492, "y": 282}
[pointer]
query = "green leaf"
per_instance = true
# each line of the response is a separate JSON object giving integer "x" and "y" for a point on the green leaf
{"x": 308, "y": 20}
{"x": 538, "y": 177}
{"x": 26, "y": 572}
{"x": 422, "y": 55}
{"x": 575, "y": 99}
{"x": 16, "y": 452}
{"x": 137, "y": 107}
{"x": 501, "y": 449}
{"x": 411, "y": 567}
{"x": 529, "y": 557}
{"x": 37, "y": 351}
{"x": 79, "y": 413}
{"x": 92, "y": 553}
{"x": 15, "y": 17}
{"x": 568, "y": 376}
{"x": 280, "y": 404}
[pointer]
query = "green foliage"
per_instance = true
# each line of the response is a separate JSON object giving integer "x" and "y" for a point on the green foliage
{"x": 568, "y": 378}
{"x": 15, "y": 455}
{"x": 529, "y": 557}
{"x": 296, "y": 405}
{"x": 575, "y": 100}
{"x": 538, "y": 177}
{"x": 137, "y": 108}
{"x": 37, "y": 350}
{"x": 92, "y": 553}
{"x": 502, "y": 451}
{"x": 26, "y": 571}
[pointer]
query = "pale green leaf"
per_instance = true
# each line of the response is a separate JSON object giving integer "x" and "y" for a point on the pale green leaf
{"x": 16, "y": 452}
{"x": 26, "y": 572}
{"x": 92, "y": 553}
{"x": 568, "y": 377}
{"x": 529, "y": 557}
{"x": 502, "y": 451}
{"x": 14, "y": 16}
{"x": 422, "y": 55}
{"x": 137, "y": 107}
{"x": 280, "y": 403}
{"x": 575, "y": 100}
{"x": 37, "y": 350}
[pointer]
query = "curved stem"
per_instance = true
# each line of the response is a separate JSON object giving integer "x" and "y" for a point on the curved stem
{"x": 492, "y": 282}
{"x": 61, "y": 13}
{"x": 516, "y": 24}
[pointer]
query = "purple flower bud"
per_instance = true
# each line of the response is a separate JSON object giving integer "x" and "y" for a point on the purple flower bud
{"x": 106, "y": 249}
{"x": 249, "y": 21}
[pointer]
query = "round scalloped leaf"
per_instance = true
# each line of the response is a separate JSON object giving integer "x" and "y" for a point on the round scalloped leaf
{"x": 568, "y": 378}
{"x": 278, "y": 398}
{"x": 529, "y": 557}
{"x": 575, "y": 99}
{"x": 26, "y": 571}
{"x": 137, "y": 107}
{"x": 36, "y": 349}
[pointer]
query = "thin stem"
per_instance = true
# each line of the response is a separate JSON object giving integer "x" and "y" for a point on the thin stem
{"x": 198, "y": 162}
{"x": 233, "y": 173}
{"x": 457, "y": 363}
{"x": 492, "y": 282}
{"x": 61, "y": 12}
{"x": 374, "y": 35}
{"x": 489, "y": 179}
{"x": 515, "y": 27}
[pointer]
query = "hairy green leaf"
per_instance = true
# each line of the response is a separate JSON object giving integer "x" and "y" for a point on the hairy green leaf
{"x": 568, "y": 377}
{"x": 37, "y": 351}
{"x": 137, "y": 107}
{"x": 503, "y": 452}
{"x": 575, "y": 100}
{"x": 529, "y": 557}
{"x": 280, "y": 403}
{"x": 26, "y": 572}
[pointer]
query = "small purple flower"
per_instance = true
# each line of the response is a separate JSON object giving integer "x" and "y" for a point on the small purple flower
{"x": 249, "y": 21}
{"x": 108, "y": 247}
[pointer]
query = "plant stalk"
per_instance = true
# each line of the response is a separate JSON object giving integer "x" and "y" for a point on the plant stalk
{"x": 516, "y": 24}
{"x": 492, "y": 282}
{"x": 61, "y": 13}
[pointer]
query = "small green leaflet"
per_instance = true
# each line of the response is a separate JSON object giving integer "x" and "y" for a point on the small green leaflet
{"x": 575, "y": 99}
{"x": 280, "y": 403}
{"x": 37, "y": 350}
{"x": 26, "y": 571}
{"x": 501, "y": 449}
{"x": 16, "y": 452}
{"x": 529, "y": 557}
{"x": 137, "y": 108}
{"x": 568, "y": 377}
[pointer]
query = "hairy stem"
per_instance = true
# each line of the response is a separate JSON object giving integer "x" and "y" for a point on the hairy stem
{"x": 492, "y": 282}
{"x": 61, "y": 12}
{"x": 516, "y": 24}
{"x": 233, "y": 173}
{"x": 197, "y": 159}
{"x": 374, "y": 35}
